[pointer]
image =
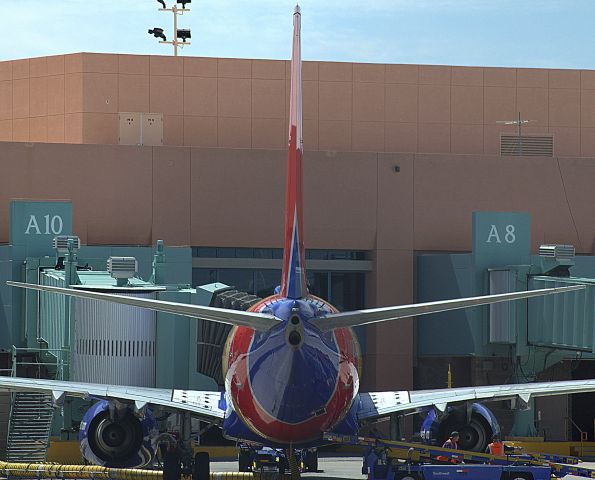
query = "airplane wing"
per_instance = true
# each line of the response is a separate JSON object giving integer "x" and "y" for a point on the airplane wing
{"x": 203, "y": 404}
{"x": 374, "y": 315}
{"x": 256, "y": 321}
{"x": 379, "y": 404}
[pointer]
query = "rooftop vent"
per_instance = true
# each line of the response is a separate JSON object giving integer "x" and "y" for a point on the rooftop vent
{"x": 527, "y": 145}
{"x": 556, "y": 260}
{"x": 122, "y": 268}
{"x": 559, "y": 252}
{"x": 60, "y": 244}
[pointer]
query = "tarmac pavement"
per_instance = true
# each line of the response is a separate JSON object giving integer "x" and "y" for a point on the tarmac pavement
{"x": 329, "y": 467}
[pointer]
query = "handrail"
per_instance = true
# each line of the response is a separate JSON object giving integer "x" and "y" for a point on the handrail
{"x": 584, "y": 435}
{"x": 61, "y": 355}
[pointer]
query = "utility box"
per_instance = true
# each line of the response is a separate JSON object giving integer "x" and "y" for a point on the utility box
{"x": 140, "y": 128}
{"x": 151, "y": 129}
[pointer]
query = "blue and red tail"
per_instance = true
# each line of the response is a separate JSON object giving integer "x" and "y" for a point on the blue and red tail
{"x": 293, "y": 281}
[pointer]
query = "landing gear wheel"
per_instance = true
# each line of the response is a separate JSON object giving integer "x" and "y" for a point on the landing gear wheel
{"x": 201, "y": 468}
{"x": 172, "y": 468}
{"x": 311, "y": 461}
{"x": 244, "y": 461}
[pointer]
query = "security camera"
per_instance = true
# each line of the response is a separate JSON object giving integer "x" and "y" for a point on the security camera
{"x": 162, "y": 2}
{"x": 184, "y": 34}
{"x": 183, "y": 2}
{"x": 158, "y": 33}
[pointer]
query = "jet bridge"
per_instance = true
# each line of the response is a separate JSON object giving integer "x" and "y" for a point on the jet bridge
{"x": 509, "y": 342}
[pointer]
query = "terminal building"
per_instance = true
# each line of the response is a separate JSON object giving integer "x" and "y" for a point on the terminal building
{"x": 414, "y": 190}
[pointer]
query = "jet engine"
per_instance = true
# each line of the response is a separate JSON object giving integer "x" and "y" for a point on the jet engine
{"x": 475, "y": 423}
{"x": 113, "y": 435}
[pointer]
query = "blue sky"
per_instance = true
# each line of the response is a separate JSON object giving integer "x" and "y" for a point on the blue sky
{"x": 519, "y": 33}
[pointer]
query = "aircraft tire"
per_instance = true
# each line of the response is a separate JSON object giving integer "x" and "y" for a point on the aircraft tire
{"x": 244, "y": 461}
{"x": 311, "y": 461}
{"x": 201, "y": 468}
{"x": 172, "y": 469}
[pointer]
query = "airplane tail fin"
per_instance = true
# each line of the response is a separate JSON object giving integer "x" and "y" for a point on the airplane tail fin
{"x": 293, "y": 281}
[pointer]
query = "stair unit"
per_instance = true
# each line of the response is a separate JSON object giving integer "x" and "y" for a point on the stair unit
{"x": 29, "y": 427}
{"x": 25, "y": 435}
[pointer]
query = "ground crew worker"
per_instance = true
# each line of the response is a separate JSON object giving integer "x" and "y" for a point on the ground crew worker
{"x": 452, "y": 442}
{"x": 496, "y": 447}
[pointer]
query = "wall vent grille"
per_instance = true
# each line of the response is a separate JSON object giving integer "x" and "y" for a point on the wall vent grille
{"x": 527, "y": 145}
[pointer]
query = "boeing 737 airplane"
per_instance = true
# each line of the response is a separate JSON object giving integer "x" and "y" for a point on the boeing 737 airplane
{"x": 292, "y": 363}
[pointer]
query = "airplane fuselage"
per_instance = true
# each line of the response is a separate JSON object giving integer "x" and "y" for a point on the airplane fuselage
{"x": 294, "y": 382}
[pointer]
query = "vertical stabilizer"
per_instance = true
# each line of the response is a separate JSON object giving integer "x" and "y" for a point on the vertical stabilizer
{"x": 293, "y": 282}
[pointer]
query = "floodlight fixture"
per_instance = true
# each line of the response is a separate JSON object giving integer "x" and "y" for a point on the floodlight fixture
{"x": 184, "y": 34}
{"x": 180, "y": 36}
{"x": 158, "y": 33}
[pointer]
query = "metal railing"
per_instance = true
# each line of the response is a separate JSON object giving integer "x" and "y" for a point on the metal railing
{"x": 59, "y": 360}
{"x": 584, "y": 435}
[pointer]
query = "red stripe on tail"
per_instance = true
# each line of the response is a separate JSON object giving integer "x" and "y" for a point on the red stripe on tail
{"x": 293, "y": 282}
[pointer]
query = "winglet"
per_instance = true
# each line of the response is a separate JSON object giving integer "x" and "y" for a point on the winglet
{"x": 293, "y": 281}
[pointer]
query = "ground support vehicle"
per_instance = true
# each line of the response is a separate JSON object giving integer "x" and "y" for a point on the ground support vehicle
{"x": 256, "y": 458}
{"x": 390, "y": 460}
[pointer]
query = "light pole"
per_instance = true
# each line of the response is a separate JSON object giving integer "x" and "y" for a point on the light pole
{"x": 184, "y": 34}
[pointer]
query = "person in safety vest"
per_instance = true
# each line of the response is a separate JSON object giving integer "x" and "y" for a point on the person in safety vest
{"x": 496, "y": 447}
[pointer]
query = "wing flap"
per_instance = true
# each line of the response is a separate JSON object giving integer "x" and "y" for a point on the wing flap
{"x": 257, "y": 321}
{"x": 201, "y": 403}
{"x": 379, "y": 404}
{"x": 374, "y": 315}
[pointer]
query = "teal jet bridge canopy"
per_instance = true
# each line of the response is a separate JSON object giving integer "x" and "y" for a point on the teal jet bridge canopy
{"x": 565, "y": 322}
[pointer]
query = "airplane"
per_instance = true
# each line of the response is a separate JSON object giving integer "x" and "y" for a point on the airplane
{"x": 292, "y": 364}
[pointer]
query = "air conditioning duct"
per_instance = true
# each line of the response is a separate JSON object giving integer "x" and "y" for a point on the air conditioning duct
{"x": 122, "y": 269}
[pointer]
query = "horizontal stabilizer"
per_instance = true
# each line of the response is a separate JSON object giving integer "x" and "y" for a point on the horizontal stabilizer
{"x": 256, "y": 321}
{"x": 374, "y": 315}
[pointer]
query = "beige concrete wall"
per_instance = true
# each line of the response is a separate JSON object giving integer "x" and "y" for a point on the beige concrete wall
{"x": 238, "y": 103}
{"x": 234, "y": 197}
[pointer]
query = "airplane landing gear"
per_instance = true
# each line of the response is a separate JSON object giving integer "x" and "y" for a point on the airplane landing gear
{"x": 179, "y": 459}
{"x": 172, "y": 463}
{"x": 201, "y": 467}
{"x": 294, "y": 468}
{"x": 174, "y": 467}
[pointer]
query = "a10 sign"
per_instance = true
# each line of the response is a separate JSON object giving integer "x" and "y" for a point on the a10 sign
{"x": 48, "y": 224}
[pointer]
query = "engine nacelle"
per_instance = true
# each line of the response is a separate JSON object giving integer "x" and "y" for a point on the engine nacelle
{"x": 117, "y": 437}
{"x": 475, "y": 426}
